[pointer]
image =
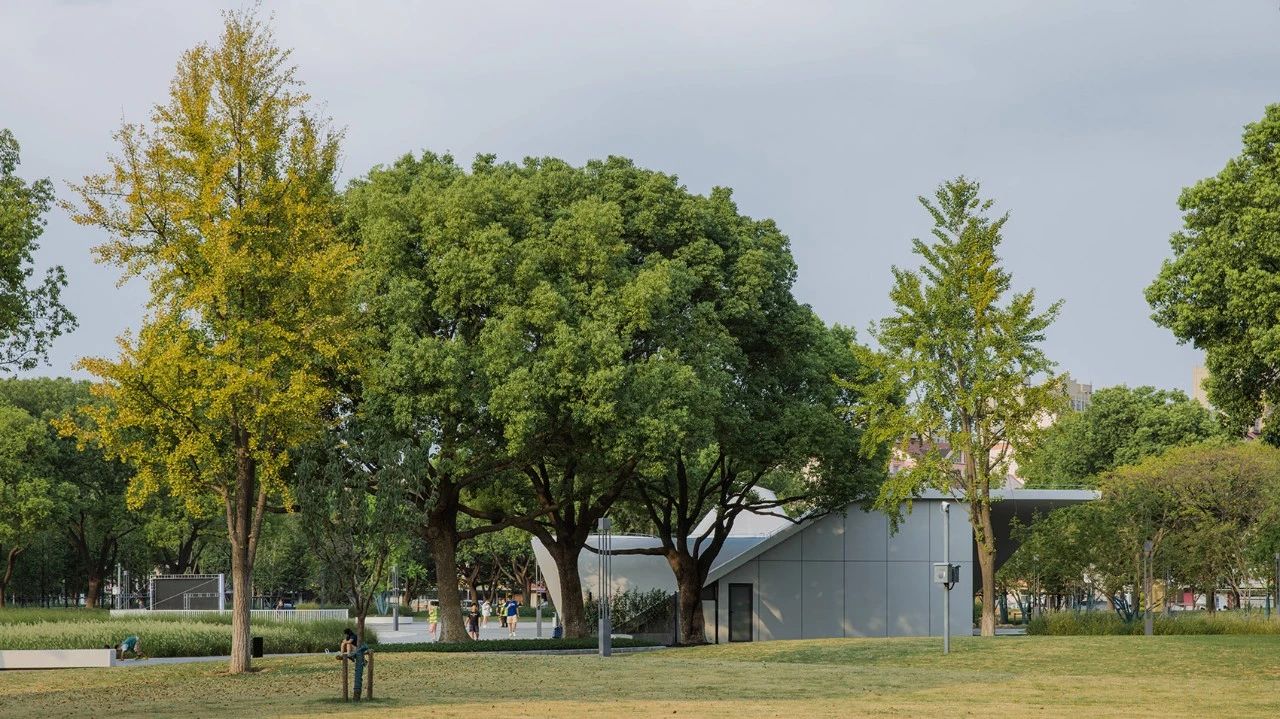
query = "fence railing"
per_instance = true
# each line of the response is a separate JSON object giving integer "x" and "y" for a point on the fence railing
{"x": 288, "y": 615}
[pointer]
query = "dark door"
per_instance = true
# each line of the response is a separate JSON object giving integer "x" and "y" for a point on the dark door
{"x": 740, "y": 615}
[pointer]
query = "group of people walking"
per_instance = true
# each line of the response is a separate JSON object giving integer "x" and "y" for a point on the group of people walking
{"x": 477, "y": 617}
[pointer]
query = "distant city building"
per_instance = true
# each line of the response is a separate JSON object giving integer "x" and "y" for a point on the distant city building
{"x": 1198, "y": 392}
{"x": 1081, "y": 395}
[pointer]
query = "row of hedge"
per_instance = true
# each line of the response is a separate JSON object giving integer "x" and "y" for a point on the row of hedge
{"x": 511, "y": 645}
{"x": 175, "y": 637}
{"x": 1191, "y": 622}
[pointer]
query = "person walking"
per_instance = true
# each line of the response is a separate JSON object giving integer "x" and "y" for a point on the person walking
{"x": 433, "y": 619}
{"x": 485, "y": 610}
{"x": 512, "y": 611}
{"x": 473, "y": 622}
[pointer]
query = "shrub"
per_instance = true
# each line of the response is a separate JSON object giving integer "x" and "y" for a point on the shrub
{"x": 510, "y": 645}
{"x": 1109, "y": 623}
{"x": 175, "y": 636}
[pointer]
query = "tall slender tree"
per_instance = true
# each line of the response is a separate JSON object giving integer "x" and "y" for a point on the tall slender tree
{"x": 975, "y": 378}
{"x": 226, "y": 205}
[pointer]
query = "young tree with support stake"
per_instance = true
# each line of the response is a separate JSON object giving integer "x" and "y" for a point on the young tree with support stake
{"x": 969, "y": 366}
{"x": 226, "y": 205}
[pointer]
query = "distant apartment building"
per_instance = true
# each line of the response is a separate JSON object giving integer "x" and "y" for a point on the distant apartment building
{"x": 1198, "y": 392}
{"x": 1081, "y": 395}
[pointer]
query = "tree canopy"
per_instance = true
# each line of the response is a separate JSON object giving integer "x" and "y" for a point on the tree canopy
{"x": 226, "y": 205}
{"x": 969, "y": 363}
{"x": 1121, "y": 426}
{"x": 31, "y": 315}
{"x": 1220, "y": 290}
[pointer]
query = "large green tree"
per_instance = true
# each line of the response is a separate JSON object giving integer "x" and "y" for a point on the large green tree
{"x": 28, "y": 493}
{"x": 31, "y": 315}
{"x": 226, "y": 205}
{"x": 524, "y": 316}
{"x": 970, "y": 364}
{"x": 434, "y": 261}
{"x": 776, "y": 419}
{"x": 95, "y": 520}
{"x": 1121, "y": 426}
{"x": 1206, "y": 508}
{"x": 1220, "y": 290}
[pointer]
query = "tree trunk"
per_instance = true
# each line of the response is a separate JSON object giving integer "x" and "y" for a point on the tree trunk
{"x": 573, "y": 616}
{"x": 241, "y": 600}
{"x": 986, "y": 551}
{"x": 243, "y": 522}
{"x": 689, "y": 581}
{"x": 444, "y": 547}
{"x": 8, "y": 573}
{"x": 95, "y": 589}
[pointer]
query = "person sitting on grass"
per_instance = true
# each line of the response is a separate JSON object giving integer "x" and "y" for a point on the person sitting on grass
{"x": 131, "y": 645}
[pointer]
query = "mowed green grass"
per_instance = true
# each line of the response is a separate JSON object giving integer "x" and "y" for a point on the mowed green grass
{"x": 1007, "y": 676}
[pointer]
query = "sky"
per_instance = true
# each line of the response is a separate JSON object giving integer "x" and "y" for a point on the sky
{"x": 1081, "y": 119}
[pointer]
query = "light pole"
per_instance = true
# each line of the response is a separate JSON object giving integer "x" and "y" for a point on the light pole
{"x": 538, "y": 606}
{"x": 947, "y": 575}
{"x": 395, "y": 597}
{"x": 605, "y": 558}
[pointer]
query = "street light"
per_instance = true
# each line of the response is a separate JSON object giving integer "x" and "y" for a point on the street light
{"x": 605, "y": 545}
{"x": 946, "y": 574}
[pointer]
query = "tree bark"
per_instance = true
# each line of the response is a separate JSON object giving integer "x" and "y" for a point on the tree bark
{"x": 94, "y": 589}
{"x": 11, "y": 560}
{"x": 244, "y": 508}
{"x": 980, "y": 516}
{"x": 444, "y": 547}
{"x": 573, "y": 616}
{"x": 689, "y": 581}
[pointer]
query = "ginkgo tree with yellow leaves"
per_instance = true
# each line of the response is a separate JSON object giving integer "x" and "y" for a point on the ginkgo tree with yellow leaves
{"x": 225, "y": 204}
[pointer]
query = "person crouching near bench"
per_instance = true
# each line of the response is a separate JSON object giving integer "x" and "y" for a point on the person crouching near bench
{"x": 131, "y": 645}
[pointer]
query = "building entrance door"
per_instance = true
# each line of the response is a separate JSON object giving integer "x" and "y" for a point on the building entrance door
{"x": 740, "y": 612}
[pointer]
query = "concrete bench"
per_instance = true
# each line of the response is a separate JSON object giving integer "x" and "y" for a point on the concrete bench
{"x": 387, "y": 620}
{"x": 56, "y": 658}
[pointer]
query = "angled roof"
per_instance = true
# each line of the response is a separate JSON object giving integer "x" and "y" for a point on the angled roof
{"x": 1045, "y": 498}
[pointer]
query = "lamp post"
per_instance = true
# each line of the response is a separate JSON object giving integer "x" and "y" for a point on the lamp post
{"x": 946, "y": 559}
{"x": 946, "y": 574}
{"x": 395, "y": 597}
{"x": 605, "y": 558}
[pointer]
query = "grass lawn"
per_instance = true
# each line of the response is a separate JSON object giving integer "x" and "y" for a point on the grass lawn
{"x": 1024, "y": 676}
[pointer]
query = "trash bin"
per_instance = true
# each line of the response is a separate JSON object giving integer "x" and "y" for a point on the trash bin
{"x": 557, "y": 632}
{"x": 257, "y": 647}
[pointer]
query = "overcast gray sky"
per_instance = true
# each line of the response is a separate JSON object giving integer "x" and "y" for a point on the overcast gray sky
{"x": 1084, "y": 119}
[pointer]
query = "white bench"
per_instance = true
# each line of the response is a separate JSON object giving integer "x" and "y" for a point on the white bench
{"x": 387, "y": 620}
{"x": 56, "y": 658}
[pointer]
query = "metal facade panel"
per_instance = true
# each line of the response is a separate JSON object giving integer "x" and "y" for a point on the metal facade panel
{"x": 779, "y": 604}
{"x": 823, "y": 599}
{"x": 866, "y": 535}
{"x": 824, "y": 539}
{"x": 909, "y": 587}
{"x": 866, "y": 605}
{"x": 911, "y": 541}
{"x": 789, "y": 550}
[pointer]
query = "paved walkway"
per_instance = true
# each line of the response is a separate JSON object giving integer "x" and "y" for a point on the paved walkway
{"x": 417, "y": 631}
